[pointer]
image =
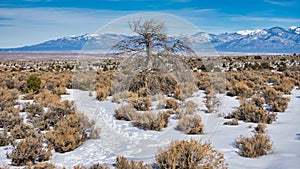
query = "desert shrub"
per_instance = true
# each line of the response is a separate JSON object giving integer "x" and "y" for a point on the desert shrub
{"x": 44, "y": 165}
{"x": 102, "y": 93}
{"x": 232, "y": 122}
{"x": 8, "y": 97}
{"x": 191, "y": 124}
{"x": 151, "y": 121}
{"x": 99, "y": 166}
{"x": 29, "y": 151}
{"x": 280, "y": 104}
{"x": 123, "y": 163}
{"x": 168, "y": 103}
{"x": 189, "y": 155}
{"x": 123, "y": 96}
{"x": 270, "y": 94}
{"x": 285, "y": 87}
{"x": 23, "y": 130}
{"x": 140, "y": 103}
{"x": 5, "y": 139}
{"x": 67, "y": 134}
{"x": 258, "y": 100}
{"x": 156, "y": 97}
{"x": 46, "y": 98}
{"x": 9, "y": 117}
{"x": 241, "y": 89}
{"x": 249, "y": 112}
{"x": 275, "y": 99}
{"x": 178, "y": 93}
{"x": 94, "y": 166}
{"x": 125, "y": 112}
{"x": 185, "y": 90}
{"x": 34, "y": 109}
{"x": 190, "y": 107}
{"x": 59, "y": 90}
{"x": 261, "y": 128}
{"x": 57, "y": 111}
{"x": 88, "y": 126}
{"x": 33, "y": 84}
{"x": 255, "y": 146}
{"x": 171, "y": 103}
{"x": 159, "y": 82}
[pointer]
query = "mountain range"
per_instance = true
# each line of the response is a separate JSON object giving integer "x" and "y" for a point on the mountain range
{"x": 272, "y": 40}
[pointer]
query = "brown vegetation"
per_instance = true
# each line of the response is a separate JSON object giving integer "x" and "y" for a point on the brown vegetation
{"x": 191, "y": 124}
{"x": 189, "y": 155}
{"x": 255, "y": 146}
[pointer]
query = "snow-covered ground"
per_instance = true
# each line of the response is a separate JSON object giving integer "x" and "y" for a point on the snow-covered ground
{"x": 120, "y": 138}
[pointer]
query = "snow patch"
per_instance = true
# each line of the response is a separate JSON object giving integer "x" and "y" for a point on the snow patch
{"x": 249, "y": 32}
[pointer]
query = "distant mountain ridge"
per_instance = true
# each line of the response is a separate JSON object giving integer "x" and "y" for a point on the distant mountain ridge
{"x": 273, "y": 40}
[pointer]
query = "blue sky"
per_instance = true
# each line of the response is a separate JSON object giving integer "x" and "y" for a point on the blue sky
{"x": 26, "y": 22}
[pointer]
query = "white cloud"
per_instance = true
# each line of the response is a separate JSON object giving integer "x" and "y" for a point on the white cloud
{"x": 281, "y": 3}
{"x": 268, "y": 19}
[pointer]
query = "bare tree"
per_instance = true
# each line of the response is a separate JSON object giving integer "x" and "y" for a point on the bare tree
{"x": 152, "y": 39}
{"x": 154, "y": 51}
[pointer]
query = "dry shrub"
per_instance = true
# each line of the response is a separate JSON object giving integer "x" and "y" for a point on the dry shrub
{"x": 102, "y": 93}
{"x": 168, "y": 103}
{"x": 191, "y": 124}
{"x": 67, "y": 135}
{"x": 249, "y": 112}
{"x": 285, "y": 86}
{"x": 178, "y": 93}
{"x": 94, "y": 166}
{"x": 123, "y": 96}
{"x": 232, "y": 122}
{"x": 29, "y": 151}
{"x": 140, "y": 103}
{"x": 217, "y": 82}
{"x": 88, "y": 126}
{"x": 255, "y": 146}
{"x": 270, "y": 94}
{"x": 151, "y": 121}
{"x": 8, "y": 97}
{"x": 59, "y": 90}
{"x": 159, "y": 82}
{"x": 44, "y": 165}
{"x": 34, "y": 109}
{"x": 185, "y": 90}
{"x": 57, "y": 111}
{"x": 190, "y": 107}
{"x": 276, "y": 101}
{"x": 5, "y": 139}
{"x": 241, "y": 89}
{"x": 10, "y": 117}
{"x": 258, "y": 100}
{"x": 23, "y": 130}
{"x": 189, "y": 155}
{"x": 156, "y": 97}
{"x": 280, "y": 104}
{"x": 261, "y": 128}
{"x": 99, "y": 166}
{"x": 46, "y": 97}
{"x": 123, "y": 163}
{"x": 125, "y": 112}
{"x": 171, "y": 103}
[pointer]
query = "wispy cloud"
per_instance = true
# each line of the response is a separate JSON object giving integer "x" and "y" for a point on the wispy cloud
{"x": 281, "y": 3}
{"x": 269, "y": 19}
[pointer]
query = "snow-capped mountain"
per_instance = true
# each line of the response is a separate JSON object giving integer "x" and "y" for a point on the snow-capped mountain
{"x": 273, "y": 40}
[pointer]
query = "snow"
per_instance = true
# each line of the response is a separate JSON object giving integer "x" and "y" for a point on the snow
{"x": 120, "y": 138}
{"x": 249, "y": 32}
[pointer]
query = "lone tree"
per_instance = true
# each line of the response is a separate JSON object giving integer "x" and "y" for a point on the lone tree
{"x": 33, "y": 84}
{"x": 149, "y": 46}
